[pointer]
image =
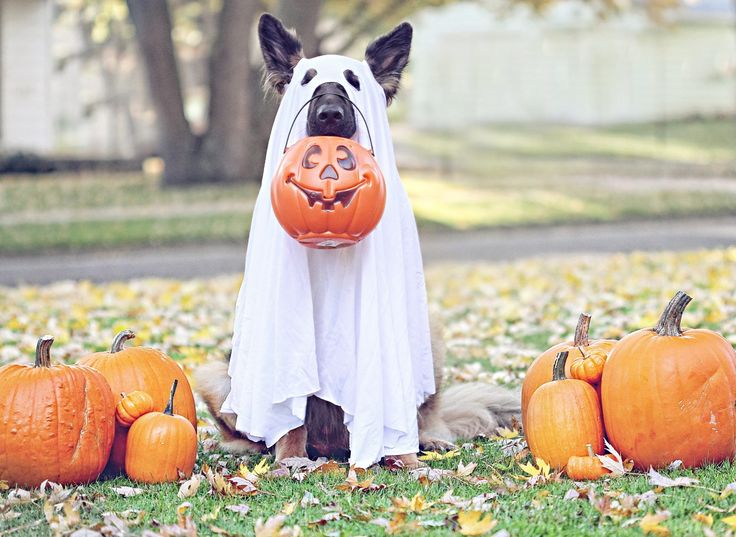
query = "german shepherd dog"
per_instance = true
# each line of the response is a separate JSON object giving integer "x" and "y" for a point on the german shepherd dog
{"x": 461, "y": 411}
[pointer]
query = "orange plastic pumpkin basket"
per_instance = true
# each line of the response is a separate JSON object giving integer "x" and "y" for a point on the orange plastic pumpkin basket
{"x": 328, "y": 191}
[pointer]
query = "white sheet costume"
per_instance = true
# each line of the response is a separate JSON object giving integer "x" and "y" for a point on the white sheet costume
{"x": 349, "y": 326}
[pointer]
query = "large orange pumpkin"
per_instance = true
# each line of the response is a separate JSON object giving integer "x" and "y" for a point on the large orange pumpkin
{"x": 669, "y": 394}
{"x": 57, "y": 421}
{"x": 563, "y": 417}
{"x": 161, "y": 446}
{"x": 140, "y": 368}
{"x": 540, "y": 372}
{"x": 328, "y": 192}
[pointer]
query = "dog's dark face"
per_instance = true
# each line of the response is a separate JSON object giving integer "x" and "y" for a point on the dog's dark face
{"x": 330, "y": 115}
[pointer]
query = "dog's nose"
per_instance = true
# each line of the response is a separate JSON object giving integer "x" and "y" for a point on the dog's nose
{"x": 329, "y": 114}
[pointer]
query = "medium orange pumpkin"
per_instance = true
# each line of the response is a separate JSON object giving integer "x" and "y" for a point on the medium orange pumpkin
{"x": 161, "y": 445}
{"x": 540, "y": 372}
{"x": 132, "y": 406}
{"x": 57, "y": 421}
{"x": 140, "y": 368}
{"x": 563, "y": 417}
{"x": 669, "y": 394}
{"x": 586, "y": 468}
{"x": 328, "y": 192}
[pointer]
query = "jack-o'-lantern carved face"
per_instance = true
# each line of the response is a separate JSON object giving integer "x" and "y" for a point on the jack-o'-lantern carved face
{"x": 328, "y": 192}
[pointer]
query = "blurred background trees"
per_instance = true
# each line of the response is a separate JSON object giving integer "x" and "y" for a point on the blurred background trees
{"x": 511, "y": 112}
{"x": 202, "y": 68}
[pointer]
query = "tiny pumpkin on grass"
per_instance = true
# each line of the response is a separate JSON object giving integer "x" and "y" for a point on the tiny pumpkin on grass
{"x": 563, "y": 417}
{"x": 586, "y": 468}
{"x": 132, "y": 406}
{"x": 161, "y": 446}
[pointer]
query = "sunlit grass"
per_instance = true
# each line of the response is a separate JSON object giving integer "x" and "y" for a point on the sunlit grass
{"x": 502, "y": 175}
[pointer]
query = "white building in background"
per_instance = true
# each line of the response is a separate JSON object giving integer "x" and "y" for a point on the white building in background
{"x": 25, "y": 75}
{"x": 54, "y": 102}
{"x": 471, "y": 64}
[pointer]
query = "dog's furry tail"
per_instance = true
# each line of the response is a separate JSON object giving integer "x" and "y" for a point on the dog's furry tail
{"x": 475, "y": 409}
{"x": 213, "y": 383}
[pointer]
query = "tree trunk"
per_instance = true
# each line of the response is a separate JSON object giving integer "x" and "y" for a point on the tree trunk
{"x": 178, "y": 146}
{"x": 303, "y": 16}
{"x": 234, "y": 146}
{"x": 231, "y": 147}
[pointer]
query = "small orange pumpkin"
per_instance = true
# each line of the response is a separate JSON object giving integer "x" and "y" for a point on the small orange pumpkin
{"x": 587, "y": 467}
{"x": 563, "y": 417}
{"x": 589, "y": 367}
{"x": 328, "y": 192}
{"x": 132, "y": 406}
{"x": 57, "y": 421}
{"x": 161, "y": 446}
{"x": 540, "y": 372}
{"x": 139, "y": 368}
{"x": 669, "y": 394}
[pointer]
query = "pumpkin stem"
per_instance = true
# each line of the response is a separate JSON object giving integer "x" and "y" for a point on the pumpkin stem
{"x": 669, "y": 322}
{"x": 170, "y": 407}
{"x": 43, "y": 351}
{"x": 581, "y": 331}
{"x": 119, "y": 342}
{"x": 590, "y": 450}
{"x": 558, "y": 370}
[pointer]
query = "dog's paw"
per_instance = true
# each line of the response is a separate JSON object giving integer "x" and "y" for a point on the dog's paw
{"x": 435, "y": 444}
{"x": 404, "y": 462}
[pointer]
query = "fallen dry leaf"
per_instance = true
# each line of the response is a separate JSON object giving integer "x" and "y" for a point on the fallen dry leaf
{"x": 651, "y": 524}
{"x": 128, "y": 492}
{"x": 464, "y": 470}
{"x": 241, "y": 509}
{"x": 614, "y": 462}
{"x": 189, "y": 487}
{"x": 352, "y": 484}
{"x": 435, "y": 456}
{"x": 475, "y": 523}
{"x": 703, "y": 519}
{"x": 730, "y": 521}
{"x": 274, "y": 527}
{"x": 659, "y": 480}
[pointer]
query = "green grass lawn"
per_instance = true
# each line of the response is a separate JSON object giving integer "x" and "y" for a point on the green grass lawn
{"x": 486, "y": 177}
{"x": 609, "y": 507}
{"x": 496, "y": 319}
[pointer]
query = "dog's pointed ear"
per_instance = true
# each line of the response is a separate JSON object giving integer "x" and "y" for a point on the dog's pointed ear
{"x": 281, "y": 50}
{"x": 388, "y": 55}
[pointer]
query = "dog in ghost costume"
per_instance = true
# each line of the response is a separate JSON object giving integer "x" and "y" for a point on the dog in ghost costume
{"x": 332, "y": 350}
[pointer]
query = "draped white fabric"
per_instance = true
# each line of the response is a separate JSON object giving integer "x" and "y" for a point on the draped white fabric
{"x": 349, "y": 326}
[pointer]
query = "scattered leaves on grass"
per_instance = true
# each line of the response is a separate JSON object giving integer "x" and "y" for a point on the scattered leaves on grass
{"x": 353, "y": 484}
{"x": 226, "y": 484}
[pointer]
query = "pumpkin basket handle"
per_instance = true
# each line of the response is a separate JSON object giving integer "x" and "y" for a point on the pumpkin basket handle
{"x": 367, "y": 129}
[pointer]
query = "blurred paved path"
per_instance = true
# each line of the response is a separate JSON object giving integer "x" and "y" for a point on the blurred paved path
{"x": 192, "y": 261}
